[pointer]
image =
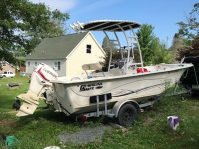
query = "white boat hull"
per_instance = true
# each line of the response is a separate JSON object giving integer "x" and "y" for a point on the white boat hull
{"x": 74, "y": 96}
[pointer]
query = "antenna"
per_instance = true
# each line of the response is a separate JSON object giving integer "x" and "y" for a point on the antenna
{"x": 80, "y": 24}
{"x": 77, "y": 27}
{"x": 167, "y": 42}
{"x": 75, "y": 24}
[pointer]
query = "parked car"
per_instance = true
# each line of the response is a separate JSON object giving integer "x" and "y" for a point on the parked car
{"x": 7, "y": 74}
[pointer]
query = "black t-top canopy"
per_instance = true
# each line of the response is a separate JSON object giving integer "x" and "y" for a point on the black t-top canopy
{"x": 109, "y": 25}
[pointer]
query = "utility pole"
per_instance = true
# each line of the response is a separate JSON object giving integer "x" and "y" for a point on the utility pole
{"x": 167, "y": 42}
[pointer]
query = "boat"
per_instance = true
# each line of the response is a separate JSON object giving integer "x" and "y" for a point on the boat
{"x": 126, "y": 82}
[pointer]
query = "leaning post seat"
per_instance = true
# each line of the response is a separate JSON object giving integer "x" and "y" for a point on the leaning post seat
{"x": 92, "y": 66}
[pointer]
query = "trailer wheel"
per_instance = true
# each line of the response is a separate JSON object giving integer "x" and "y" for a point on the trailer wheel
{"x": 127, "y": 115}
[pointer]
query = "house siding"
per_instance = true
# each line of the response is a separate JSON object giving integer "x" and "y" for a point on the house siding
{"x": 79, "y": 56}
{"x": 61, "y": 72}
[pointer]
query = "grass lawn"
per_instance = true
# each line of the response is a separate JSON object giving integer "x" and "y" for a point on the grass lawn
{"x": 151, "y": 131}
{"x": 7, "y": 96}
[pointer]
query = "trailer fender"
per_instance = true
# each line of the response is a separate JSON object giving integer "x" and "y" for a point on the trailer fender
{"x": 120, "y": 103}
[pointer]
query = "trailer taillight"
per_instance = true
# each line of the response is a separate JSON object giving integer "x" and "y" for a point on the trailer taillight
{"x": 83, "y": 118}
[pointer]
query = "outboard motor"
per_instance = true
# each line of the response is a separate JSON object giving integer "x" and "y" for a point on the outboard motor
{"x": 40, "y": 80}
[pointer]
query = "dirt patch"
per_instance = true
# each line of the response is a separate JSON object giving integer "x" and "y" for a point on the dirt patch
{"x": 10, "y": 112}
{"x": 4, "y": 123}
{"x": 195, "y": 107}
{"x": 148, "y": 121}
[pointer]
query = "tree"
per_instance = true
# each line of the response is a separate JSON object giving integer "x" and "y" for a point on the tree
{"x": 163, "y": 55}
{"x": 190, "y": 32}
{"x": 177, "y": 43}
{"x": 148, "y": 43}
{"x": 191, "y": 27}
{"x": 106, "y": 47}
{"x": 189, "y": 51}
{"x": 23, "y": 25}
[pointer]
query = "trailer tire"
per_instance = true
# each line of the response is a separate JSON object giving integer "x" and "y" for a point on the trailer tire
{"x": 127, "y": 115}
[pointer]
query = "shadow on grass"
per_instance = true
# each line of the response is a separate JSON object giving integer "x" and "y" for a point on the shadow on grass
{"x": 5, "y": 103}
{"x": 60, "y": 117}
{"x": 47, "y": 115}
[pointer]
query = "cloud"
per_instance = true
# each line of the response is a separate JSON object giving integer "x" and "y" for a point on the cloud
{"x": 62, "y": 5}
{"x": 96, "y": 5}
{"x": 103, "y": 3}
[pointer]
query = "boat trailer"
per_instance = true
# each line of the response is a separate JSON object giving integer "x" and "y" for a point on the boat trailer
{"x": 114, "y": 112}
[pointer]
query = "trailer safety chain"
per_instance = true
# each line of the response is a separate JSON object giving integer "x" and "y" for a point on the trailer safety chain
{"x": 62, "y": 107}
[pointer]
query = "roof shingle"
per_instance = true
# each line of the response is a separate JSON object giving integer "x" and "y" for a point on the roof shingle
{"x": 56, "y": 47}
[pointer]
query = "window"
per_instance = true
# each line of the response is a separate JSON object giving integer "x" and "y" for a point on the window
{"x": 4, "y": 63}
{"x": 57, "y": 65}
{"x": 28, "y": 63}
{"x": 35, "y": 64}
{"x": 88, "y": 48}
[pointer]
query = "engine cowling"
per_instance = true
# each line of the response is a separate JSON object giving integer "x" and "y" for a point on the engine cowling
{"x": 40, "y": 78}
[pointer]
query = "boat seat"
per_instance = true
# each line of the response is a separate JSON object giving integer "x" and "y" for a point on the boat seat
{"x": 116, "y": 71}
{"x": 92, "y": 66}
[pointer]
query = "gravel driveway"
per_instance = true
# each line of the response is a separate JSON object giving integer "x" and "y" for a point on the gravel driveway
{"x": 84, "y": 136}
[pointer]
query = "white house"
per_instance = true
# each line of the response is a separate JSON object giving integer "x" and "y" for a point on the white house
{"x": 5, "y": 66}
{"x": 66, "y": 54}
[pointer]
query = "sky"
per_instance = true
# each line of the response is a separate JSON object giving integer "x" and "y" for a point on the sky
{"x": 161, "y": 14}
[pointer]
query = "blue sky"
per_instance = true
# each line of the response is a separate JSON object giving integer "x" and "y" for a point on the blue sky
{"x": 162, "y": 14}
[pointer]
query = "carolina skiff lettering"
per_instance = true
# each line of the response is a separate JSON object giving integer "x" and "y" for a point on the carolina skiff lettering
{"x": 47, "y": 71}
{"x": 88, "y": 87}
